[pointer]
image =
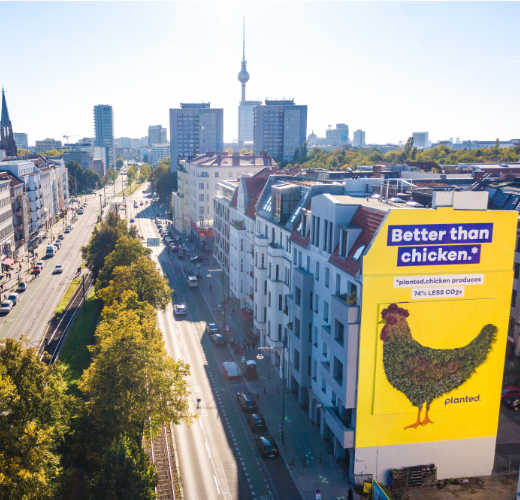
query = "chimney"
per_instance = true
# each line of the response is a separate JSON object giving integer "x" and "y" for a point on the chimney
{"x": 236, "y": 159}
{"x": 479, "y": 176}
{"x": 376, "y": 172}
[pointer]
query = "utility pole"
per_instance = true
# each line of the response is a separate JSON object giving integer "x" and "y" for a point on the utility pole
{"x": 84, "y": 301}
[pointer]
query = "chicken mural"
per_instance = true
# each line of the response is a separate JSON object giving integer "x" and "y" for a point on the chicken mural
{"x": 422, "y": 373}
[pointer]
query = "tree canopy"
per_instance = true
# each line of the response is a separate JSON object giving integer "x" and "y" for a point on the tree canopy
{"x": 111, "y": 174}
{"x": 86, "y": 179}
{"x": 144, "y": 172}
{"x": 163, "y": 180}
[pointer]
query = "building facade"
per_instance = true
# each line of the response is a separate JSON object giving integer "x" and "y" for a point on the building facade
{"x": 246, "y": 121}
{"x": 337, "y": 136}
{"x": 420, "y": 140}
{"x": 156, "y": 135}
{"x": 47, "y": 145}
{"x": 7, "y": 246}
{"x": 104, "y": 129}
{"x": 21, "y": 140}
{"x": 358, "y": 141}
{"x": 159, "y": 152}
{"x": 279, "y": 128}
{"x": 195, "y": 129}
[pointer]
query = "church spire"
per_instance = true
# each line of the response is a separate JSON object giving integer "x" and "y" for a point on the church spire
{"x": 6, "y": 131}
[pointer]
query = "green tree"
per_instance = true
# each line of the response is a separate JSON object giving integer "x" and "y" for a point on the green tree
{"x": 126, "y": 252}
{"x": 23, "y": 152}
{"x": 131, "y": 172}
{"x": 144, "y": 172}
{"x": 408, "y": 146}
{"x": 126, "y": 473}
{"x": 143, "y": 278}
{"x": 119, "y": 163}
{"x": 165, "y": 162}
{"x": 111, "y": 174}
{"x": 497, "y": 143}
{"x": 244, "y": 151}
{"x": 296, "y": 156}
{"x": 229, "y": 151}
{"x": 35, "y": 413}
{"x": 55, "y": 152}
{"x": 132, "y": 385}
{"x": 103, "y": 241}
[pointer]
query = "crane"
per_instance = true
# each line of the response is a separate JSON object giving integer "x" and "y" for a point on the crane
{"x": 66, "y": 136}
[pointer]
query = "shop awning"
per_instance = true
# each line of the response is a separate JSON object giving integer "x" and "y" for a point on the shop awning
{"x": 245, "y": 314}
{"x": 7, "y": 262}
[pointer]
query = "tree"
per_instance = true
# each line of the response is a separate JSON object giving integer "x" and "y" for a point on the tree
{"x": 408, "y": 146}
{"x": 132, "y": 385}
{"x": 119, "y": 162}
{"x": 126, "y": 473}
{"x": 145, "y": 158}
{"x": 163, "y": 181}
{"x": 144, "y": 172}
{"x": 296, "y": 156}
{"x": 23, "y": 152}
{"x": 126, "y": 252}
{"x": 103, "y": 241}
{"x": 165, "y": 162}
{"x": 143, "y": 278}
{"x": 111, "y": 174}
{"x": 251, "y": 152}
{"x": 229, "y": 151}
{"x": 244, "y": 151}
{"x": 55, "y": 152}
{"x": 497, "y": 143}
{"x": 35, "y": 413}
{"x": 131, "y": 173}
{"x": 303, "y": 152}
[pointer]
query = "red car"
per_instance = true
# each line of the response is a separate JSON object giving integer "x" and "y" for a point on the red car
{"x": 510, "y": 391}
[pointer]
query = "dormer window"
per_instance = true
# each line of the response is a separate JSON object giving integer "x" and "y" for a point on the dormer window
{"x": 343, "y": 244}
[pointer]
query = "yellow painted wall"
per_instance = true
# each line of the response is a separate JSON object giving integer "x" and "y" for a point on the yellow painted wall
{"x": 383, "y": 412}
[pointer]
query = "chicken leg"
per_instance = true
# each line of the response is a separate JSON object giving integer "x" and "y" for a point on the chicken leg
{"x": 426, "y": 420}
{"x": 418, "y": 422}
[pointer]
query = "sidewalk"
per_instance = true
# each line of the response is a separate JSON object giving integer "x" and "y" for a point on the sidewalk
{"x": 302, "y": 439}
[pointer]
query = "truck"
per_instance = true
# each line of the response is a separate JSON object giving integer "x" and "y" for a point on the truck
{"x": 51, "y": 250}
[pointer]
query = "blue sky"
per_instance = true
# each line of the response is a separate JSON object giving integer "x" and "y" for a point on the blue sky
{"x": 449, "y": 68}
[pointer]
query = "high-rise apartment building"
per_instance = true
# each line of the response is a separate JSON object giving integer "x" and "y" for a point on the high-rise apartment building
{"x": 280, "y": 126}
{"x": 21, "y": 140}
{"x": 359, "y": 139}
{"x": 420, "y": 139}
{"x": 156, "y": 135}
{"x": 337, "y": 136}
{"x": 104, "y": 125}
{"x": 195, "y": 129}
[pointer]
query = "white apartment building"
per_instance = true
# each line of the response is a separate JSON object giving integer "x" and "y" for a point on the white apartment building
{"x": 21, "y": 140}
{"x": 6, "y": 222}
{"x": 359, "y": 139}
{"x": 205, "y": 172}
{"x": 47, "y": 145}
{"x": 158, "y": 152}
{"x": 181, "y": 219}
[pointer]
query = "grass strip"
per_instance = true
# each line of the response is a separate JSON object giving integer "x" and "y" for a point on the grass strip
{"x": 75, "y": 356}
{"x": 68, "y": 294}
{"x": 130, "y": 189}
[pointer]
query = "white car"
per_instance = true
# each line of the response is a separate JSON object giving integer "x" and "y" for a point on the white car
{"x": 6, "y": 306}
{"x": 179, "y": 309}
{"x": 67, "y": 230}
{"x": 192, "y": 282}
{"x": 58, "y": 269}
{"x": 41, "y": 264}
{"x": 22, "y": 286}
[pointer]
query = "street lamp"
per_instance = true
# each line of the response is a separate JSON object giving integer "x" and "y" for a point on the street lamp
{"x": 260, "y": 356}
{"x": 223, "y": 292}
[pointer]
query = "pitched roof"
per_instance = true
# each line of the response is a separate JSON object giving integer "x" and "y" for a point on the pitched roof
{"x": 369, "y": 219}
{"x": 5, "y": 113}
{"x": 234, "y": 199}
{"x": 253, "y": 198}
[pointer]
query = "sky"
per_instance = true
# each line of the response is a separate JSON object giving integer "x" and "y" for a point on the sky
{"x": 449, "y": 68}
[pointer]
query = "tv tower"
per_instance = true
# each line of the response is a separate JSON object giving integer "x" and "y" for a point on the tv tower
{"x": 243, "y": 76}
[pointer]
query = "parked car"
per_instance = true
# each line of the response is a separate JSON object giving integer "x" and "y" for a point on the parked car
{"x": 41, "y": 264}
{"x": 267, "y": 446}
{"x": 62, "y": 236}
{"x": 132, "y": 220}
{"x": 51, "y": 250}
{"x": 212, "y": 328}
{"x": 79, "y": 211}
{"x": 246, "y": 402}
{"x": 58, "y": 269}
{"x": 509, "y": 391}
{"x": 256, "y": 422}
{"x": 22, "y": 286}
{"x": 13, "y": 297}
{"x": 6, "y": 306}
{"x": 67, "y": 230}
{"x": 36, "y": 270}
{"x": 218, "y": 340}
{"x": 179, "y": 309}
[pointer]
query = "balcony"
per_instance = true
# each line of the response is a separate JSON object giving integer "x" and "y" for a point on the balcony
{"x": 275, "y": 250}
{"x": 19, "y": 212}
{"x": 344, "y": 434}
{"x": 261, "y": 240}
{"x": 239, "y": 224}
{"x": 19, "y": 227}
{"x": 251, "y": 274}
{"x": 290, "y": 326}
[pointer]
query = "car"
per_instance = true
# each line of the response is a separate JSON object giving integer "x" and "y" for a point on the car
{"x": 6, "y": 306}
{"x": 218, "y": 340}
{"x": 36, "y": 270}
{"x": 58, "y": 269}
{"x": 509, "y": 391}
{"x": 62, "y": 236}
{"x": 132, "y": 220}
{"x": 41, "y": 264}
{"x": 174, "y": 247}
{"x": 212, "y": 328}
{"x": 513, "y": 403}
{"x": 67, "y": 230}
{"x": 198, "y": 258}
{"x": 267, "y": 446}
{"x": 71, "y": 226}
{"x": 13, "y": 297}
{"x": 79, "y": 211}
{"x": 85, "y": 206}
{"x": 256, "y": 422}
{"x": 57, "y": 246}
{"x": 179, "y": 309}
{"x": 246, "y": 402}
{"x": 22, "y": 286}
{"x": 193, "y": 282}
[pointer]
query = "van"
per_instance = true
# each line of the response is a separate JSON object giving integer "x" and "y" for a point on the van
{"x": 13, "y": 296}
{"x": 51, "y": 250}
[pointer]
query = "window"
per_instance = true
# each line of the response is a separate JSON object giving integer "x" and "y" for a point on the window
{"x": 256, "y": 284}
{"x": 309, "y": 366}
{"x": 317, "y": 273}
{"x": 299, "y": 259}
{"x": 201, "y": 185}
{"x": 279, "y": 332}
{"x": 338, "y": 283}
{"x": 230, "y": 174}
{"x": 331, "y": 231}
{"x": 242, "y": 265}
{"x": 280, "y": 302}
{"x": 517, "y": 270}
{"x": 242, "y": 245}
{"x": 269, "y": 329}
{"x": 201, "y": 197}
{"x": 327, "y": 277}
{"x": 277, "y": 276}
{"x": 310, "y": 333}
{"x": 316, "y": 303}
{"x": 265, "y": 314}
{"x": 339, "y": 332}
{"x": 310, "y": 301}
{"x": 359, "y": 252}
{"x": 201, "y": 210}
{"x": 513, "y": 299}
{"x": 216, "y": 174}
{"x": 295, "y": 253}
{"x": 265, "y": 287}
{"x": 338, "y": 371}
{"x": 297, "y": 327}
{"x": 269, "y": 271}
{"x": 326, "y": 233}
{"x": 326, "y": 311}
{"x": 269, "y": 299}
{"x": 297, "y": 295}
{"x": 241, "y": 286}
{"x": 317, "y": 243}
{"x": 315, "y": 337}
{"x": 296, "y": 360}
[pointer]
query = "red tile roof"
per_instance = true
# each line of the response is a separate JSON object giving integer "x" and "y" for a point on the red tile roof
{"x": 369, "y": 219}
{"x": 234, "y": 199}
{"x": 254, "y": 195}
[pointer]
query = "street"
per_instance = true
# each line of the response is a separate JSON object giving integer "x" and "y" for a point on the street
{"x": 218, "y": 457}
{"x": 36, "y": 306}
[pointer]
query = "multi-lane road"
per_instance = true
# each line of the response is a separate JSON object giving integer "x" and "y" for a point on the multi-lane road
{"x": 218, "y": 457}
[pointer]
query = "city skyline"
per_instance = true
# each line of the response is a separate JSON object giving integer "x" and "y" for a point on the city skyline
{"x": 389, "y": 68}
